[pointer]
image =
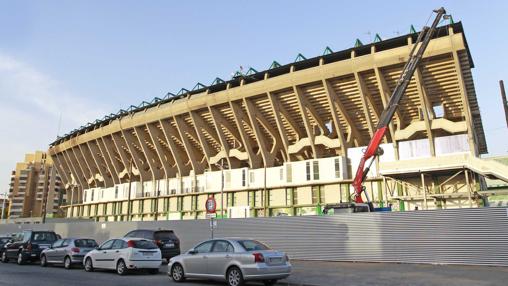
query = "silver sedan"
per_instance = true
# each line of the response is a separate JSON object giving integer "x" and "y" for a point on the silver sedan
{"x": 232, "y": 260}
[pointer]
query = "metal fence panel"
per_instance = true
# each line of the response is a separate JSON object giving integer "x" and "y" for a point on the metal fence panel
{"x": 457, "y": 236}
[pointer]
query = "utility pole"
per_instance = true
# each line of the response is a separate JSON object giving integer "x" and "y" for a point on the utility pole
{"x": 505, "y": 103}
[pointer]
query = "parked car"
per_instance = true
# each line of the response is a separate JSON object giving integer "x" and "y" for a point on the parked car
{"x": 3, "y": 241}
{"x": 166, "y": 240}
{"x": 123, "y": 255}
{"x": 28, "y": 245}
{"x": 69, "y": 252}
{"x": 232, "y": 260}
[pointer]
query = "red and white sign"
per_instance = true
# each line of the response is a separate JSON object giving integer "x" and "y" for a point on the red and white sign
{"x": 211, "y": 205}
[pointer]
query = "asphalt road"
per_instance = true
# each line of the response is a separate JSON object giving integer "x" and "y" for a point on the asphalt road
{"x": 33, "y": 274}
{"x": 304, "y": 273}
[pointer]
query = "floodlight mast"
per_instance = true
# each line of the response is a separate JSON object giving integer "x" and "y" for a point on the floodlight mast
{"x": 373, "y": 150}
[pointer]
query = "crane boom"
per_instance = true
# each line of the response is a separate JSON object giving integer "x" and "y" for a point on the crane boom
{"x": 373, "y": 150}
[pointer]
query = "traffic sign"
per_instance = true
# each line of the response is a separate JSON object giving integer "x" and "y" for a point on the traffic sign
{"x": 211, "y": 205}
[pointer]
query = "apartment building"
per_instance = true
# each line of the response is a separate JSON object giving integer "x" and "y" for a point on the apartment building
{"x": 35, "y": 190}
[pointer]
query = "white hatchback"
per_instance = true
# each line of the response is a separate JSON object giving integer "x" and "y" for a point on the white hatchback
{"x": 123, "y": 255}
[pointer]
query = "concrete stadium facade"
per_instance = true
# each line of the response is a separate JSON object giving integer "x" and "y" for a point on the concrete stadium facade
{"x": 287, "y": 140}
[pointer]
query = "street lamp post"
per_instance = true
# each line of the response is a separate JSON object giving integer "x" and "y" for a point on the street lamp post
{"x": 3, "y": 205}
{"x": 221, "y": 166}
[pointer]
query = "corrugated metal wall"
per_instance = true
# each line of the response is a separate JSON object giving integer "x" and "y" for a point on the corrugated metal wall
{"x": 458, "y": 236}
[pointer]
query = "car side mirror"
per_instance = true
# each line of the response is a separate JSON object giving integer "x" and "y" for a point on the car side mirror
{"x": 98, "y": 248}
{"x": 192, "y": 251}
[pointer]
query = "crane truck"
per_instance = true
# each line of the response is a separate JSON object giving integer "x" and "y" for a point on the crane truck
{"x": 373, "y": 149}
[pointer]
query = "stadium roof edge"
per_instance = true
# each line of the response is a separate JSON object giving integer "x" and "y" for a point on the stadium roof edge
{"x": 258, "y": 76}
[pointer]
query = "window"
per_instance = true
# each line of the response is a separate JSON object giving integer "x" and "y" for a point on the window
{"x": 281, "y": 174}
{"x": 244, "y": 175}
{"x": 91, "y": 199}
{"x": 90, "y": 243}
{"x": 66, "y": 243}
{"x": 230, "y": 199}
{"x": 295, "y": 196}
{"x": 165, "y": 234}
{"x": 321, "y": 195}
{"x": 307, "y": 170}
{"x": 337, "y": 168}
{"x": 228, "y": 179}
{"x": 179, "y": 203}
{"x": 439, "y": 110}
{"x": 223, "y": 246}
{"x": 252, "y": 199}
{"x": 119, "y": 244}
{"x": 144, "y": 244}
{"x": 315, "y": 169}
{"x": 148, "y": 234}
{"x": 252, "y": 245}
{"x": 58, "y": 243}
{"x": 108, "y": 244}
{"x": 289, "y": 173}
{"x": 166, "y": 204}
{"x": 116, "y": 192}
{"x": 132, "y": 234}
{"x": 315, "y": 195}
{"x": 252, "y": 178}
{"x": 204, "y": 247}
{"x": 44, "y": 236}
{"x": 289, "y": 193}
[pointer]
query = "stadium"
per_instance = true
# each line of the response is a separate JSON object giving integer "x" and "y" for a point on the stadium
{"x": 286, "y": 140}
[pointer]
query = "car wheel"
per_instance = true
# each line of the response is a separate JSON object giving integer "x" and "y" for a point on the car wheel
{"x": 121, "y": 268}
{"x": 153, "y": 271}
{"x": 4, "y": 257}
{"x": 67, "y": 262}
{"x": 177, "y": 273}
{"x": 20, "y": 259}
{"x": 234, "y": 276}
{"x": 44, "y": 261}
{"x": 88, "y": 265}
{"x": 270, "y": 282}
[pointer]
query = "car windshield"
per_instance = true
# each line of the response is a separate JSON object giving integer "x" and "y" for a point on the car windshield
{"x": 160, "y": 235}
{"x": 4, "y": 240}
{"x": 251, "y": 245}
{"x": 44, "y": 236}
{"x": 144, "y": 244}
{"x": 85, "y": 243}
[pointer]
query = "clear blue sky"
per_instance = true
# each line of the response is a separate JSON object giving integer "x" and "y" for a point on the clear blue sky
{"x": 83, "y": 59}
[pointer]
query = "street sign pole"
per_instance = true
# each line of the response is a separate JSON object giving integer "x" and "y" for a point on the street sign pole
{"x": 211, "y": 226}
{"x": 211, "y": 207}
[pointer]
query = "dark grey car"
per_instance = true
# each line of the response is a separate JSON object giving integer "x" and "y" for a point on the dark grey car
{"x": 69, "y": 252}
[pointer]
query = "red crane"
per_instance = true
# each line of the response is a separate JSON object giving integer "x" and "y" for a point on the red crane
{"x": 373, "y": 150}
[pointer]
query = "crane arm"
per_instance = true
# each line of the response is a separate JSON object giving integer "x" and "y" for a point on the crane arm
{"x": 373, "y": 150}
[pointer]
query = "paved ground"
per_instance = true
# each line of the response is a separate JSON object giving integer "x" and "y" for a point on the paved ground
{"x": 305, "y": 273}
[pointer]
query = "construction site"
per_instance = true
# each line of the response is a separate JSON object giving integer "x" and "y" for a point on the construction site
{"x": 286, "y": 141}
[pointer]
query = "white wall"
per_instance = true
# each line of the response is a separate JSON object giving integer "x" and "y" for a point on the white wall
{"x": 278, "y": 176}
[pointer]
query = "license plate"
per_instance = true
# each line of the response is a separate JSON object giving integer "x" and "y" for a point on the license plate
{"x": 147, "y": 253}
{"x": 276, "y": 260}
{"x": 169, "y": 245}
